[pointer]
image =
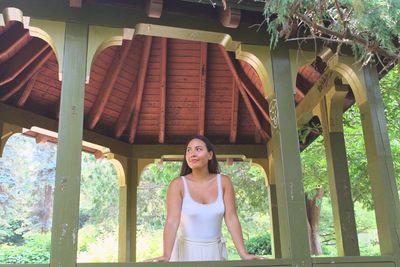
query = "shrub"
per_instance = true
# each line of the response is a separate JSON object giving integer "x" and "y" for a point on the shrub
{"x": 35, "y": 250}
{"x": 259, "y": 245}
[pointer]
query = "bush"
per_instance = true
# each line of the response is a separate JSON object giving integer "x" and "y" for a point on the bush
{"x": 35, "y": 250}
{"x": 259, "y": 245}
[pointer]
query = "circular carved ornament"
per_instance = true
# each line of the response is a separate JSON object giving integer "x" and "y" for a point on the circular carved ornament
{"x": 273, "y": 113}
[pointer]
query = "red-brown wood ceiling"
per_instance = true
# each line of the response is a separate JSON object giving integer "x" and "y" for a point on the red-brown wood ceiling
{"x": 150, "y": 90}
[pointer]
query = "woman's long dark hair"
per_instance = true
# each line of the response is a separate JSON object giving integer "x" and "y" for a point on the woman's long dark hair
{"x": 212, "y": 163}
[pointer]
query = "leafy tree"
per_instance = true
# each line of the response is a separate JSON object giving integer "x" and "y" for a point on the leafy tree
{"x": 369, "y": 27}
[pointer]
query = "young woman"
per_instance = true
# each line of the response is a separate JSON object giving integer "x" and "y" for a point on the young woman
{"x": 196, "y": 203}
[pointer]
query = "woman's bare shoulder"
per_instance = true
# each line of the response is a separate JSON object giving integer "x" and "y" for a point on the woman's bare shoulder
{"x": 176, "y": 183}
{"x": 225, "y": 179}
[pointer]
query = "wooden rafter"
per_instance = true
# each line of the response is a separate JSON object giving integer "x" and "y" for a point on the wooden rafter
{"x": 132, "y": 100}
{"x": 203, "y": 84}
{"x": 11, "y": 40}
{"x": 257, "y": 97}
{"x": 27, "y": 91}
{"x": 243, "y": 93}
{"x": 21, "y": 60}
{"x": 234, "y": 112}
{"x": 163, "y": 89}
{"x": 144, "y": 62}
{"x": 107, "y": 86}
{"x": 26, "y": 75}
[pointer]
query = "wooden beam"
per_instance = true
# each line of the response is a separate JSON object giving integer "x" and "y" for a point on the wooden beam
{"x": 75, "y": 3}
{"x": 154, "y": 8}
{"x": 144, "y": 62}
{"x": 313, "y": 97}
{"x": 203, "y": 85}
{"x": 243, "y": 93}
{"x": 118, "y": 16}
{"x": 163, "y": 89}
{"x": 256, "y": 96}
{"x": 234, "y": 112}
{"x": 22, "y": 60}
{"x": 11, "y": 40}
{"x": 130, "y": 102}
{"x": 27, "y": 91}
{"x": 107, "y": 85}
{"x": 230, "y": 17}
{"x": 27, "y": 119}
{"x": 27, "y": 75}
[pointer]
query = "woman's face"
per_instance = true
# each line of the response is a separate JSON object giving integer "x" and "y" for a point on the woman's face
{"x": 197, "y": 155}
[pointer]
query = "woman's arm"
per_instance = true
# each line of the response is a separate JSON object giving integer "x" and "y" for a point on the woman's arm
{"x": 174, "y": 206}
{"x": 232, "y": 220}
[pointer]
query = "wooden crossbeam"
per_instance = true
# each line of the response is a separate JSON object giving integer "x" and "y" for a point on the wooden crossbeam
{"x": 107, "y": 86}
{"x": 26, "y": 75}
{"x": 264, "y": 135}
{"x": 27, "y": 91}
{"x": 27, "y": 119}
{"x": 234, "y": 112}
{"x": 144, "y": 62}
{"x": 313, "y": 97}
{"x": 163, "y": 89}
{"x": 203, "y": 84}
{"x": 22, "y": 60}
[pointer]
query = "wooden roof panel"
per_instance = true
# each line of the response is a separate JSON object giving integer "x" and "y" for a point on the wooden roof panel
{"x": 182, "y": 96}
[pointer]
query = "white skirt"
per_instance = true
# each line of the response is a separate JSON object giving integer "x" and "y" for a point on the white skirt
{"x": 193, "y": 250}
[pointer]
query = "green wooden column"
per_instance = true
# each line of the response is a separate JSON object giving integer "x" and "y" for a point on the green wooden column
{"x": 268, "y": 166}
{"x": 331, "y": 114}
{"x": 286, "y": 154}
{"x": 131, "y": 208}
{"x": 123, "y": 254}
{"x": 380, "y": 166}
{"x": 273, "y": 206}
{"x": 64, "y": 236}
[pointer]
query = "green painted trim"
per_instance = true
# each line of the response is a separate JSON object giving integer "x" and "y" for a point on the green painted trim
{"x": 269, "y": 263}
{"x": 28, "y": 119}
{"x": 64, "y": 238}
{"x": 121, "y": 17}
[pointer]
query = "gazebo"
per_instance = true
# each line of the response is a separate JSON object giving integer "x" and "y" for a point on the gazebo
{"x": 140, "y": 77}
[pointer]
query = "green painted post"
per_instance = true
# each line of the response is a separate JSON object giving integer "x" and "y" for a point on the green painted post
{"x": 380, "y": 166}
{"x": 68, "y": 173}
{"x": 132, "y": 179}
{"x": 273, "y": 211}
{"x": 286, "y": 154}
{"x": 338, "y": 173}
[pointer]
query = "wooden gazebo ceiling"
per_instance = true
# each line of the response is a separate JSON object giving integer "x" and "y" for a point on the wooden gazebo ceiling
{"x": 150, "y": 90}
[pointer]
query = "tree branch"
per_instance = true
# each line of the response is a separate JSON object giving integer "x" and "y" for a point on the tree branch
{"x": 371, "y": 46}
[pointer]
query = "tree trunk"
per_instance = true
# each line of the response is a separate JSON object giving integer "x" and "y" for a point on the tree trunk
{"x": 313, "y": 207}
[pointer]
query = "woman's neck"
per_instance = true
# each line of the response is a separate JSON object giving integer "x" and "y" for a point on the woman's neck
{"x": 201, "y": 174}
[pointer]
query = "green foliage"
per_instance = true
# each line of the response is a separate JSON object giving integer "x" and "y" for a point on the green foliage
{"x": 370, "y": 27}
{"x": 259, "y": 245}
{"x": 35, "y": 250}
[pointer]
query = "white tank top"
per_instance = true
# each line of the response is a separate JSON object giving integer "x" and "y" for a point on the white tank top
{"x": 201, "y": 222}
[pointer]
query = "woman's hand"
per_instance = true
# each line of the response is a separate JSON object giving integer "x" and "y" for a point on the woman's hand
{"x": 158, "y": 259}
{"x": 248, "y": 256}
